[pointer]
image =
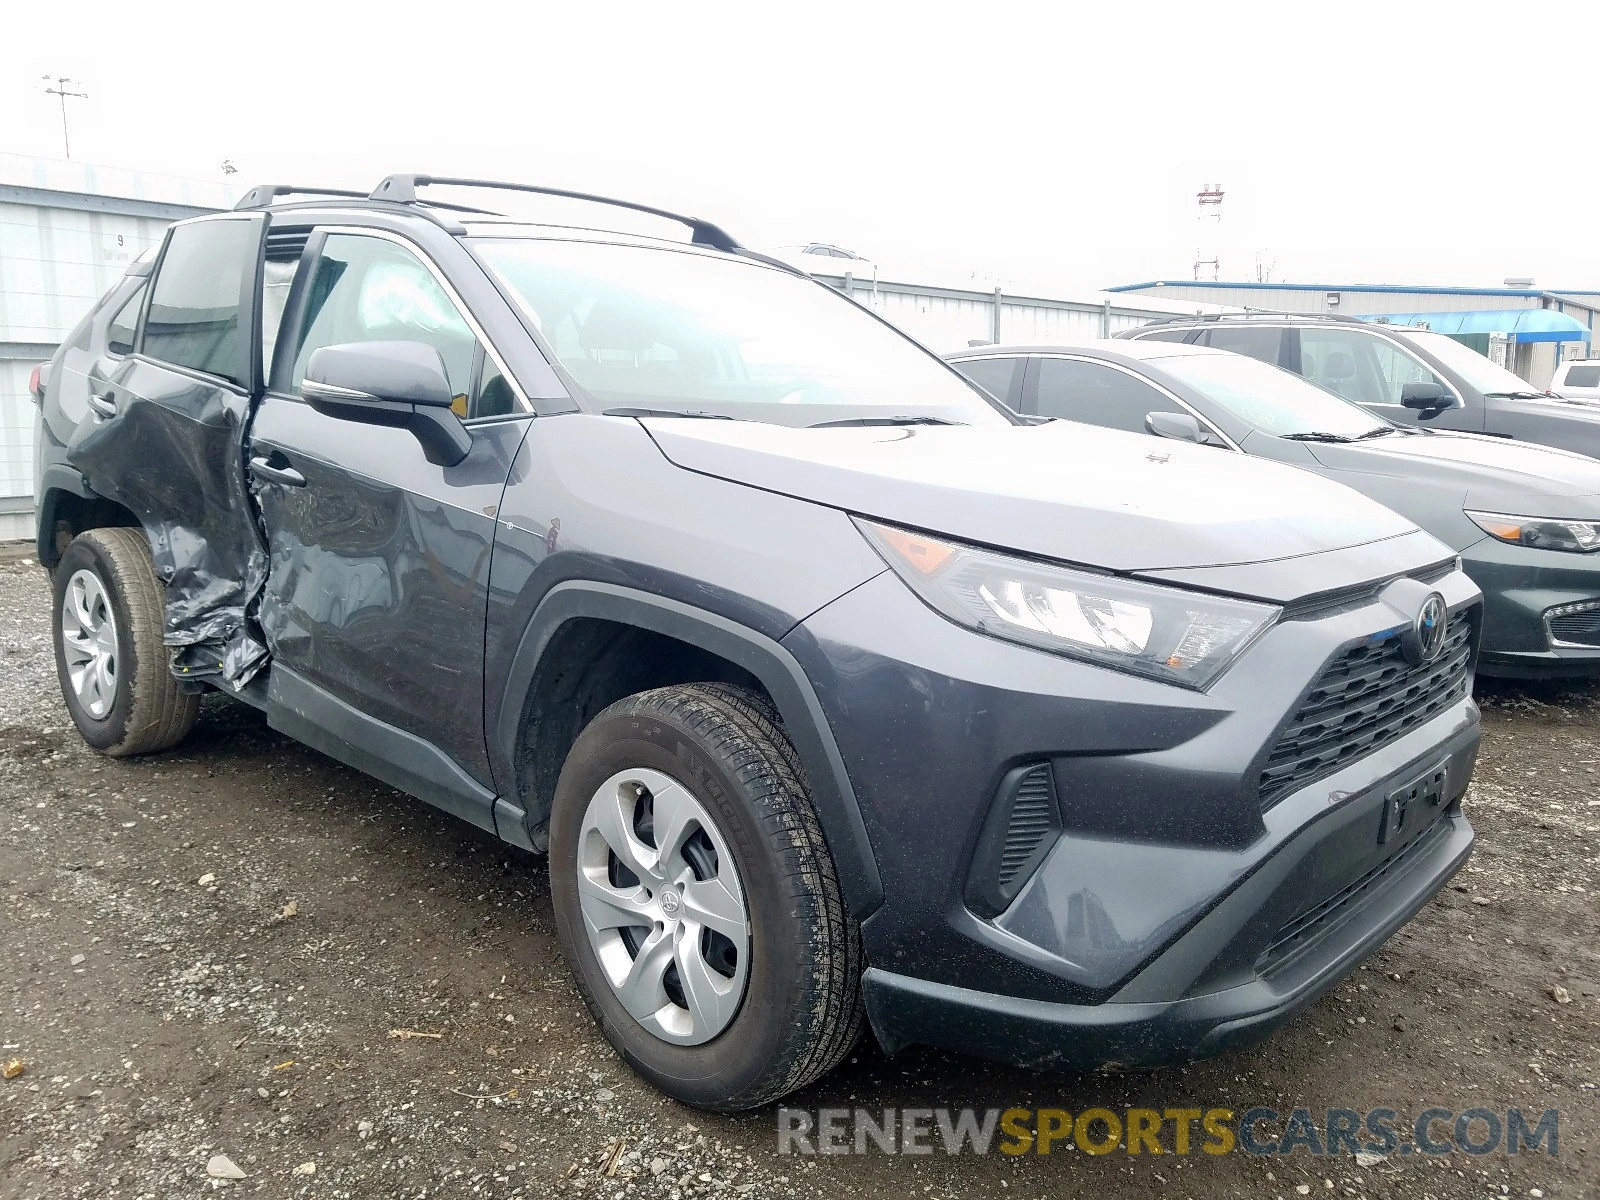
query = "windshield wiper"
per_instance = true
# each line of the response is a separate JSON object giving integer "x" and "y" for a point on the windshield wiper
{"x": 1316, "y": 437}
{"x": 667, "y": 412}
{"x": 1521, "y": 395}
{"x": 1377, "y": 432}
{"x": 840, "y": 424}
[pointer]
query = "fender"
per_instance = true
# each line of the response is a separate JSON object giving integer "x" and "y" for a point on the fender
{"x": 764, "y": 658}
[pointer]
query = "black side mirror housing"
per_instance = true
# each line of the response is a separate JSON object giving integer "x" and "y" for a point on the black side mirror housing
{"x": 1179, "y": 426}
{"x": 1425, "y": 397}
{"x": 399, "y": 384}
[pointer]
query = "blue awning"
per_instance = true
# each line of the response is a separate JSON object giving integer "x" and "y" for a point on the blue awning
{"x": 1521, "y": 324}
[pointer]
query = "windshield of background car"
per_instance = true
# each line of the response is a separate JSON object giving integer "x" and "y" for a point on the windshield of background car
{"x": 646, "y": 327}
{"x": 1480, "y": 373}
{"x": 1268, "y": 398}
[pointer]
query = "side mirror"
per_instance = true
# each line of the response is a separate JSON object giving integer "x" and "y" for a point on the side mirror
{"x": 1178, "y": 426}
{"x": 1425, "y": 397}
{"x": 400, "y": 384}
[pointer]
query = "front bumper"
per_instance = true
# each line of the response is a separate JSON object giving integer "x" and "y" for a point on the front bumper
{"x": 1205, "y": 992}
{"x": 1519, "y": 586}
{"x": 1153, "y": 927}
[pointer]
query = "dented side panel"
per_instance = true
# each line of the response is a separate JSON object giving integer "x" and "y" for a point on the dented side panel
{"x": 173, "y": 455}
{"x": 165, "y": 437}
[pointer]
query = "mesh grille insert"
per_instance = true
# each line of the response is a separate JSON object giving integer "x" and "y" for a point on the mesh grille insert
{"x": 1364, "y": 699}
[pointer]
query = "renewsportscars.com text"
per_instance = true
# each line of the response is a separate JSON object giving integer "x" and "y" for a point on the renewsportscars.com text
{"x": 1216, "y": 1131}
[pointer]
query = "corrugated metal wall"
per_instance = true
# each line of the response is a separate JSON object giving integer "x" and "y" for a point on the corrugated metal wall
{"x": 54, "y": 264}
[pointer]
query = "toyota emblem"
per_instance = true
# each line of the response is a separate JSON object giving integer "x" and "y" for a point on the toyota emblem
{"x": 1429, "y": 629}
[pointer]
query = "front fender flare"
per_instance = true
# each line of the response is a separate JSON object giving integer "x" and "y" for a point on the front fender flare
{"x": 767, "y": 660}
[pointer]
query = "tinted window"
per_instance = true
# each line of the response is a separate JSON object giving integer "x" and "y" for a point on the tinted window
{"x": 1265, "y": 344}
{"x": 119, "y": 334}
{"x": 1167, "y": 335}
{"x": 1096, "y": 394}
{"x": 1360, "y": 366}
{"x": 1582, "y": 377}
{"x": 366, "y": 289}
{"x": 195, "y": 317}
{"x": 993, "y": 375}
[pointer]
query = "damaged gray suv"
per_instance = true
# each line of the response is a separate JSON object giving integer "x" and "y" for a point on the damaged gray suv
{"x": 835, "y": 694}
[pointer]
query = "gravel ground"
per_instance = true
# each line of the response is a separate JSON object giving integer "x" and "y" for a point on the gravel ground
{"x": 227, "y": 949}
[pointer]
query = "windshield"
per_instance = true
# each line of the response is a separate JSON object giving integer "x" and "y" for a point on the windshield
{"x": 1268, "y": 399}
{"x": 1480, "y": 373}
{"x": 683, "y": 332}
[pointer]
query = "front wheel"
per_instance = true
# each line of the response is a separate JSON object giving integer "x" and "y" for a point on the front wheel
{"x": 110, "y": 654}
{"x": 696, "y": 899}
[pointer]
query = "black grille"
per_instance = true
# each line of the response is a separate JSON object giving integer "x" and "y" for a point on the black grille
{"x": 1306, "y": 928}
{"x": 1581, "y": 628}
{"x": 1033, "y": 816}
{"x": 1364, "y": 699}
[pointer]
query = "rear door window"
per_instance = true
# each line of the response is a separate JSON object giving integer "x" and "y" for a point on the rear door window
{"x": 994, "y": 375}
{"x": 1265, "y": 344}
{"x": 120, "y": 333}
{"x": 1096, "y": 394}
{"x": 198, "y": 308}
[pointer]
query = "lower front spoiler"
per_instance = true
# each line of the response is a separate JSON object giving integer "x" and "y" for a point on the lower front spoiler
{"x": 1037, "y": 1033}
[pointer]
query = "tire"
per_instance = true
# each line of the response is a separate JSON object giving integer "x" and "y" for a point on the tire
{"x": 134, "y": 706}
{"x": 799, "y": 1011}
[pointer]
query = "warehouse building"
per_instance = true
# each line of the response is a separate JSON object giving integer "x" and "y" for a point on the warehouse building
{"x": 1537, "y": 328}
{"x": 67, "y": 233}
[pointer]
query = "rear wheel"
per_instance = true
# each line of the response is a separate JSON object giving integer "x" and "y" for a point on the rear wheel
{"x": 697, "y": 902}
{"x": 110, "y": 654}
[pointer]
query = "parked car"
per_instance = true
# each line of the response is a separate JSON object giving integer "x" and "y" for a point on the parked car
{"x": 1404, "y": 374}
{"x": 1577, "y": 379}
{"x": 1525, "y": 519}
{"x": 833, "y": 692}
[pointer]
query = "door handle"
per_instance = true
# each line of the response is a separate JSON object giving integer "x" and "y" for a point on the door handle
{"x": 104, "y": 405}
{"x": 288, "y": 476}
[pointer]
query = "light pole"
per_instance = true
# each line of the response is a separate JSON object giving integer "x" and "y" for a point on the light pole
{"x": 61, "y": 89}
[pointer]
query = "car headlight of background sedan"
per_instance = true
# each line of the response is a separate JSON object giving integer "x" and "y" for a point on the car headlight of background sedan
{"x": 1545, "y": 533}
{"x": 1165, "y": 633}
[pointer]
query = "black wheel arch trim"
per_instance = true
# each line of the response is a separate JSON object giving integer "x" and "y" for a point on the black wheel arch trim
{"x": 57, "y": 479}
{"x": 777, "y": 670}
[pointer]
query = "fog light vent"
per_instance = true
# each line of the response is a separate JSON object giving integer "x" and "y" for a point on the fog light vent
{"x": 1033, "y": 816}
{"x": 1018, "y": 833}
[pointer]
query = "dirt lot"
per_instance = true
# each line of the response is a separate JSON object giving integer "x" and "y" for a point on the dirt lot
{"x": 209, "y": 952}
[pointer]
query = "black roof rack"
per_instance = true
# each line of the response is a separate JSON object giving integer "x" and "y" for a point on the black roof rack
{"x": 1254, "y": 314}
{"x": 403, "y": 189}
{"x": 263, "y": 194}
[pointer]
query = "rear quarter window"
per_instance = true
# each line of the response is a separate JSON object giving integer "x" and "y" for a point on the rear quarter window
{"x": 124, "y": 326}
{"x": 1584, "y": 376}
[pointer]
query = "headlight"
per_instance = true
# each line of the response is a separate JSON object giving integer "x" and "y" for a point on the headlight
{"x": 1164, "y": 633}
{"x": 1545, "y": 533}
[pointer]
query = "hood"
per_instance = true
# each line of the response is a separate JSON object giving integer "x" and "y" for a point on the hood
{"x": 1098, "y": 497}
{"x": 1493, "y": 474}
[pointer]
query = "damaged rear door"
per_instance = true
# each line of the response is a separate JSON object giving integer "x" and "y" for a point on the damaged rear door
{"x": 165, "y": 438}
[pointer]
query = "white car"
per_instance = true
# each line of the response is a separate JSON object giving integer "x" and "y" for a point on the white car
{"x": 1577, "y": 379}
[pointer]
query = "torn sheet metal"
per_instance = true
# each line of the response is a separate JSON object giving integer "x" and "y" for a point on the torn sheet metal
{"x": 173, "y": 454}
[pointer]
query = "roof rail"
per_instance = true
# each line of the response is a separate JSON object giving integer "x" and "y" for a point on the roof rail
{"x": 403, "y": 189}
{"x": 263, "y": 194}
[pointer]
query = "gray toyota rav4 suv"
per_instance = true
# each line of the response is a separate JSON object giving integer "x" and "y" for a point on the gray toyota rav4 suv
{"x": 834, "y": 693}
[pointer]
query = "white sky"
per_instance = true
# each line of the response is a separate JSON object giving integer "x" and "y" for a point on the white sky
{"x": 1053, "y": 145}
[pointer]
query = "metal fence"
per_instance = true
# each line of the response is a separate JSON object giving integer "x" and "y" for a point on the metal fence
{"x": 946, "y": 319}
